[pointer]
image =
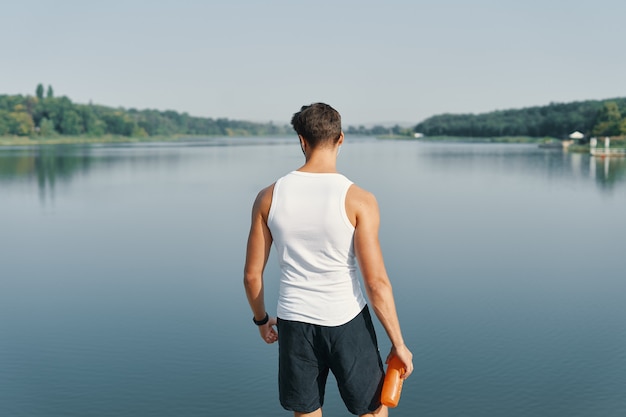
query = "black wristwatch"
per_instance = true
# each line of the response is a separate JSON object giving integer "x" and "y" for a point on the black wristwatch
{"x": 263, "y": 321}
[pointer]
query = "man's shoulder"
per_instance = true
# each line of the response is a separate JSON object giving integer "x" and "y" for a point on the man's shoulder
{"x": 361, "y": 205}
{"x": 267, "y": 191}
{"x": 360, "y": 195}
{"x": 263, "y": 200}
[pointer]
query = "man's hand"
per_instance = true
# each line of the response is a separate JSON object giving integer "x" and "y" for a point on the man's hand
{"x": 406, "y": 357}
{"x": 268, "y": 332}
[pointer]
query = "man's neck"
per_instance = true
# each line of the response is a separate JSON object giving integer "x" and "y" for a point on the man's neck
{"x": 321, "y": 161}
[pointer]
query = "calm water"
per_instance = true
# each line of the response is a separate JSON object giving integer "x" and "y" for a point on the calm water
{"x": 121, "y": 278}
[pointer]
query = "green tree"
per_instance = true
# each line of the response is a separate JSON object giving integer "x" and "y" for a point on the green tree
{"x": 608, "y": 120}
{"x": 118, "y": 123}
{"x": 96, "y": 128}
{"x": 40, "y": 91}
{"x": 55, "y": 110}
{"x": 139, "y": 132}
{"x": 5, "y": 122}
{"x": 71, "y": 123}
{"x": 91, "y": 124}
{"x": 46, "y": 128}
{"x": 20, "y": 122}
{"x": 622, "y": 126}
{"x": 50, "y": 92}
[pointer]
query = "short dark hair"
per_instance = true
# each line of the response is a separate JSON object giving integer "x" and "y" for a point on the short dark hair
{"x": 318, "y": 124}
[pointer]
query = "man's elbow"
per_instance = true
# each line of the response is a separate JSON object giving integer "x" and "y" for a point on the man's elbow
{"x": 378, "y": 287}
{"x": 251, "y": 279}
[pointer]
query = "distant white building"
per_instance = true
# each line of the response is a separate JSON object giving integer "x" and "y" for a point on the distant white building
{"x": 576, "y": 135}
{"x": 418, "y": 135}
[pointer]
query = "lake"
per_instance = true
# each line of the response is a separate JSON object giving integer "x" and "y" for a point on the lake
{"x": 121, "y": 278}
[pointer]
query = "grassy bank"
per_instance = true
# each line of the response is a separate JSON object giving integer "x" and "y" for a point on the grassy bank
{"x": 70, "y": 140}
{"x": 92, "y": 140}
{"x": 496, "y": 139}
{"x": 76, "y": 140}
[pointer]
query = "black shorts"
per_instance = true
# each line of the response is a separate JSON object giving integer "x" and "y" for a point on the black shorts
{"x": 307, "y": 352}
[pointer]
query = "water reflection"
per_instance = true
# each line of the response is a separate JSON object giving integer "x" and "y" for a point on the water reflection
{"x": 52, "y": 165}
{"x": 47, "y": 165}
{"x": 606, "y": 173}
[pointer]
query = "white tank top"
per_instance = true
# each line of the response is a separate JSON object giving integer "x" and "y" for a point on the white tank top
{"x": 314, "y": 241}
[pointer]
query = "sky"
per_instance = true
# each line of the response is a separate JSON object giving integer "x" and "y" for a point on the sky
{"x": 375, "y": 62}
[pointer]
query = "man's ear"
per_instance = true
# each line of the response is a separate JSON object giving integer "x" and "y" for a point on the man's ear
{"x": 341, "y": 137}
{"x": 302, "y": 144}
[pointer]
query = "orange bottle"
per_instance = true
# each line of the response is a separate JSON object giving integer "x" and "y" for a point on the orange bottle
{"x": 392, "y": 387}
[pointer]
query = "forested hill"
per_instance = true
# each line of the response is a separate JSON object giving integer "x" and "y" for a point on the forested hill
{"x": 45, "y": 115}
{"x": 592, "y": 117}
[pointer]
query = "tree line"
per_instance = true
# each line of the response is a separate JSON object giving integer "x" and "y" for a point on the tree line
{"x": 46, "y": 115}
{"x": 591, "y": 117}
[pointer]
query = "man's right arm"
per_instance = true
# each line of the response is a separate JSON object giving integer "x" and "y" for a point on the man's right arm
{"x": 363, "y": 211}
{"x": 257, "y": 253}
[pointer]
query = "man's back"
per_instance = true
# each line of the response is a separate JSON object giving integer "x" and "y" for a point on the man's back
{"x": 313, "y": 238}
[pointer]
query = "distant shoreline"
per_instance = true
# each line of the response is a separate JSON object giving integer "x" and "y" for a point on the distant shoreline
{"x": 459, "y": 139}
{"x": 99, "y": 140}
{"x": 79, "y": 140}
{"x": 8, "y": 141}
{"x": 75, "y": 140}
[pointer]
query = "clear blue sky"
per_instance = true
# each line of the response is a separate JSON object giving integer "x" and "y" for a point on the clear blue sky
{"x": 376, "y": 62}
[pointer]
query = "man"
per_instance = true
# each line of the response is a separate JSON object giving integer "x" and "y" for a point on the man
{"x": 322, "y": 225}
